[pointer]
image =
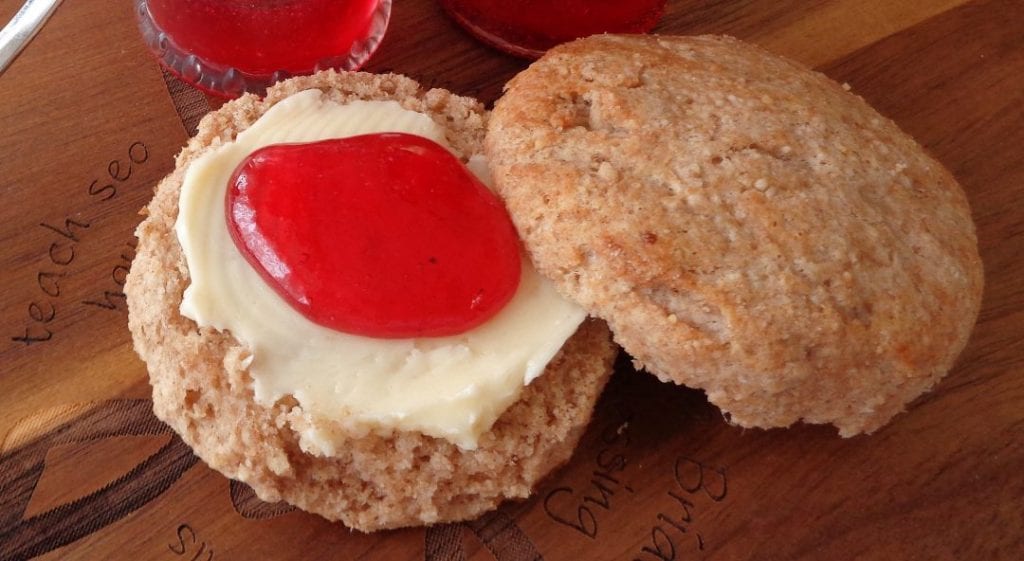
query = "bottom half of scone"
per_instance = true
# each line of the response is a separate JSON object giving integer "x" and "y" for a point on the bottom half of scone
{"x": 203, "y": 391}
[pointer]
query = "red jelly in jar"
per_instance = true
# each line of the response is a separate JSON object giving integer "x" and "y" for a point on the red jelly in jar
{"x": 228, "y": 47}
{"x": 527, "y": 28}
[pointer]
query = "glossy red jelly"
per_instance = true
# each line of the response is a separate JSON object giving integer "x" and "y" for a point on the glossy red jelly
{"x": 228, "y": 47}
{"x": 527, "y": 28}
{"x": 265, "y": 36}
{"x": 383, "y": 235}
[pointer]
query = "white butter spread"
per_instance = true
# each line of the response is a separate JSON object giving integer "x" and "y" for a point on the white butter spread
{"x": 452, "y": 387}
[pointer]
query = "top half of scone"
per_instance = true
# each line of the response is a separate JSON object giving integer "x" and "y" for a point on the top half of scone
{"x": 745, "y": 225}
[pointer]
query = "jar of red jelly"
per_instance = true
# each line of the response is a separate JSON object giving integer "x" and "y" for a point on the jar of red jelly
{"x": 229, "y": 47}
{"x": 527, "y": 28}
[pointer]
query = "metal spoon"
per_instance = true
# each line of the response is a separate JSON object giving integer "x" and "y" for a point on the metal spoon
{"x": 26, "y": 23}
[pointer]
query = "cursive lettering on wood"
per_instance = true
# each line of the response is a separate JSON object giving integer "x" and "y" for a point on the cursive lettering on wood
{"x": 63, "y": 250}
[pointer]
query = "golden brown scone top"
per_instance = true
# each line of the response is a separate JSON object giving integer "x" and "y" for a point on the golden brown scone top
{"x": 745, "y": 225}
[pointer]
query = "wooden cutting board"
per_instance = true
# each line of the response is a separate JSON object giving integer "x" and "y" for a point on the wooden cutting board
{"x": 89, "y": 123}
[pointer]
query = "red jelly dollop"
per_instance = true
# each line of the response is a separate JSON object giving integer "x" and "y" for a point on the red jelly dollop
{"x": 383, "y": 235}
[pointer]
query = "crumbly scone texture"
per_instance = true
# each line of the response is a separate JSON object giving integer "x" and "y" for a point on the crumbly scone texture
{"x": 202, "y": 389}
{"x": 745, "y": 225}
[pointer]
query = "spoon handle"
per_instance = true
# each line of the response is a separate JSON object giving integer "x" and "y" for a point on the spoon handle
{"x": 26, "y": 23}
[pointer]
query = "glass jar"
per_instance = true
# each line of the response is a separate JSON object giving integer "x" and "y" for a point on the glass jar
{"x": 229, "y": 47}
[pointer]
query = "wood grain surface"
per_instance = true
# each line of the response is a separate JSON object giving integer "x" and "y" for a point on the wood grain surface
{"x": 89, "y": 123}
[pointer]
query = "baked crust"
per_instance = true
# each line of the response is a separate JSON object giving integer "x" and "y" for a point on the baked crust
{"x": 203, "y": 391}
{"x": 745, "y": 225}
